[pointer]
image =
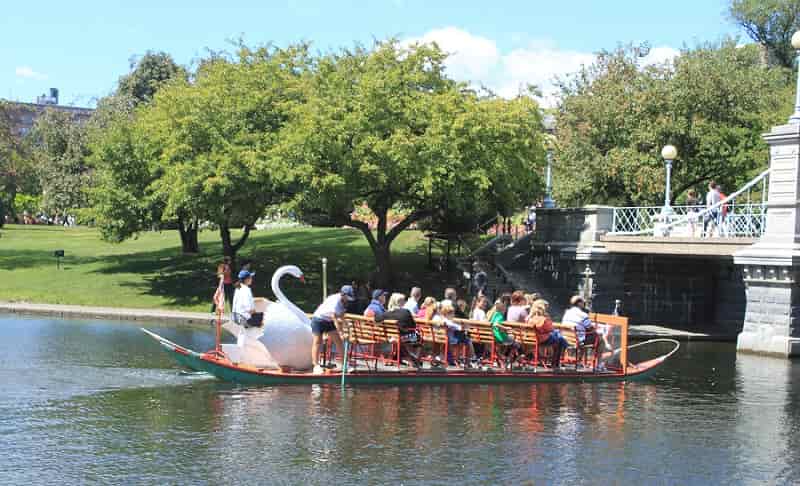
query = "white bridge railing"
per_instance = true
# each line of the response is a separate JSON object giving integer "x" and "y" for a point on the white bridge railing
{"x": 734, "y": 216}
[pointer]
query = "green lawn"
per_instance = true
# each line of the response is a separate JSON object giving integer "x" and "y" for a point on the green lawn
{"x": 151, "y": 272}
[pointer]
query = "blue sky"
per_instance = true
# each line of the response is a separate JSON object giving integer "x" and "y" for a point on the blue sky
{"x": 82, "y": 47}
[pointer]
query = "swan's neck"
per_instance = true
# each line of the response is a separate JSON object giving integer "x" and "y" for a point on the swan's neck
{"x": 276, "y": 289}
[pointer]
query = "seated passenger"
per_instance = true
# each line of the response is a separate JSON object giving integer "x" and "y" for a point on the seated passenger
{"x": 428, "y": 309}
{"x": 585, "y": 330}
{"x": 545, "y": 334}
{"x": 375, "y": 309}
{"x": 410, "y": 340}
{"x": 501, "y": 335}
{"x": 244, "y": 307}
{"x": 456, "y": 336}
{"x": 481, "y": 306}
{"x": 517, "y": 311}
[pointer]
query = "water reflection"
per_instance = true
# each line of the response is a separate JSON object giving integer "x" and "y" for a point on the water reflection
{"x": 93, "y": 401}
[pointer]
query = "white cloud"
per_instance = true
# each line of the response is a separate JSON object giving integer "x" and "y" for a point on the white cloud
{"x": 479, "y": 61}
{"x": 660, "y": 55}
{"x": 472, "y": 57}
{"x": 27, "y": 72}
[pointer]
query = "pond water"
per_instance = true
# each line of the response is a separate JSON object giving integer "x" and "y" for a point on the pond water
{"x": 94, "y": 401}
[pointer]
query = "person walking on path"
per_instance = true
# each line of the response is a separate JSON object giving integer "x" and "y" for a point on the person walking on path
{"x": 712, "y": 216}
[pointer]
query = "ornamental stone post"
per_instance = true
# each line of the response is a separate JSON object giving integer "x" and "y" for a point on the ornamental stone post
{"x": 771, "y": 266}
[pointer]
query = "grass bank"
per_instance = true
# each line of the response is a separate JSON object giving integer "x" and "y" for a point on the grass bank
{"x": 151, "y": 272}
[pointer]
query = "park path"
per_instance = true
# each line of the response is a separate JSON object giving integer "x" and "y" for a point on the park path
{"x": 117, "y": 313}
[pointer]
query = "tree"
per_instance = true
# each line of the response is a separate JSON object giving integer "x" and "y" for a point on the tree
{"x": 387, "y": 129}
{"x": 122, "y": 203}
{"x": 771, "y": 23}
{"x": 16, "y": 170}
{"x": 200, "y": 151}
{"x": 59, "y": 151}
{"x": 148, "y": 74}
{"x": 712, "y": 102}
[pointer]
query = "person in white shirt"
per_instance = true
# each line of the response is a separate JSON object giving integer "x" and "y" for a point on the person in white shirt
{"x": 327, "y": 320}
{"x": 712, "y": 217}
{"x": 244, "y": 307}
{"x": 412, "y": 304}
{"x": 479, "y": 312}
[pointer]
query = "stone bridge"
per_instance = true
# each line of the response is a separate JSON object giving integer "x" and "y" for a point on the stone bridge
{"x": 743, "y": 285}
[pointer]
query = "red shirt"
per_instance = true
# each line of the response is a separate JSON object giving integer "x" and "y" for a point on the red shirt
{"x": 543, "y": 326}
{"x": 225, "y": 270}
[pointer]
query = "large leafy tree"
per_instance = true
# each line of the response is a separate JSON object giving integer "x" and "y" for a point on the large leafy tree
{"x": 60, "y": 151}
{"x": 771, "y": 23}
{"x": 200, "y": 150}
{"x": 712, "y": 102}
{"x": 386, "y": 128}
{"x": 148, "y": 74}
{"x": 17, "y": 173}
{"x": 122, "y": 202}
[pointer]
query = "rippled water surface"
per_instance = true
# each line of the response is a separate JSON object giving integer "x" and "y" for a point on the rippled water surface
{"x": 94, "y": 401}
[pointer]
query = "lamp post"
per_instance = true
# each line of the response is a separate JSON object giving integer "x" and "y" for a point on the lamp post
{"x": 324, "y": 278}
{"x": 795, "y": 118}
{"x": 669, "y": 153}
{"x": 550, "y": 128}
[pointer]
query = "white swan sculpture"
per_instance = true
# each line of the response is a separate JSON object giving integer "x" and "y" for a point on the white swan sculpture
{"x": 287, "y": 329}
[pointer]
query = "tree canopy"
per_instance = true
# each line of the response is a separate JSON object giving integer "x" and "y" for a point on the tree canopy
{"x": 59, "y": 152}
{"x": 770, "y": 23}
{"x": 712, "y": 102}
{"x": 199, "y": 151}
{"x": 148, "y": 74}
{"x": 386, "y": 128}
{"x": 17, "y": 173}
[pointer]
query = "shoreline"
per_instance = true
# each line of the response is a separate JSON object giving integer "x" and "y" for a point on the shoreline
{"x": 113, "y": 313}
{"x": 637, "y": 331}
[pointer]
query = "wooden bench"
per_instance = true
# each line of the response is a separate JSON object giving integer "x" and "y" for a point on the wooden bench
{"x": 363, "y": 331}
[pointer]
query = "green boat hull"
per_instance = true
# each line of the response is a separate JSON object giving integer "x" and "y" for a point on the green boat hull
{"x": 231, "y": 372}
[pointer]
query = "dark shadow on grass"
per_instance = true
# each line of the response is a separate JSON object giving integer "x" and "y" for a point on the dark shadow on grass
{"x": 190, "y": 280}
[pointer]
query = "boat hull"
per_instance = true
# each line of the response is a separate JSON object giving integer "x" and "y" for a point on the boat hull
{"x": 224, "y": 370}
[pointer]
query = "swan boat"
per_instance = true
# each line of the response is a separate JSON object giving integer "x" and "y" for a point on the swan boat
{"x": 221, "y": 367}
{"x": 278, "y": 352}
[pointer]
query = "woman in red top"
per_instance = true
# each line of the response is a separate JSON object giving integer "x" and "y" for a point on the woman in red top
{"x": 224, "y": 271}
{"x": 545, "y": 334}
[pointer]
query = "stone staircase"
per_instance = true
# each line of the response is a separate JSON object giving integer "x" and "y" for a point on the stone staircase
{"x": 507, "y": 264}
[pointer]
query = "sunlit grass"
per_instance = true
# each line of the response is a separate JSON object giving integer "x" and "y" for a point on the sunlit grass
{"x": 151, "y": 272}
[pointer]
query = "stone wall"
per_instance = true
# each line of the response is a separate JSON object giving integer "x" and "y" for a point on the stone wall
{"x": 568, "y": 257}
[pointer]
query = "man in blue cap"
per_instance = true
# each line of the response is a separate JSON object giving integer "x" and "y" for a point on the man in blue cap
{"x": 244, "y": 306}
{"x": 327, "y": 320}
{"x": 377, "y": 307}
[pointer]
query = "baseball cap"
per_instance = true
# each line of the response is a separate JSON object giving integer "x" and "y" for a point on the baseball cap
{"x": 347, "y": 291}
{"x": 243, "y": 274}
{"x": 376, "y": 294}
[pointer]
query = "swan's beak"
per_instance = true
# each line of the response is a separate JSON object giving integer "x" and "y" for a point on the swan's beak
{"x": 303, "y": 278}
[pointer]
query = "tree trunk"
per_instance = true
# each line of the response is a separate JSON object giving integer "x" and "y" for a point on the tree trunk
{"x": 384, "y": 277}
{"x": 381, "y": 243}
{"x": 229, "y": 248}
{"x": 188, "y": 232}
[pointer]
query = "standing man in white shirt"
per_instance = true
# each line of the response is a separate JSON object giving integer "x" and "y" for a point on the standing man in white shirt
{"x": 327, "y": 320}
{"x": 244, "y": 306}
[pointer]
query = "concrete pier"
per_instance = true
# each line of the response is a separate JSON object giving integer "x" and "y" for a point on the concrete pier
{"x": 112, "y": 313}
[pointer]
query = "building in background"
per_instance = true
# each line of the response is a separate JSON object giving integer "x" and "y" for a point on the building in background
{"x": 24, "y": 115}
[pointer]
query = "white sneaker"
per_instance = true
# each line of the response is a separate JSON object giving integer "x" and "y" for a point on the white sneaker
{"x": 318, "y": 370}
